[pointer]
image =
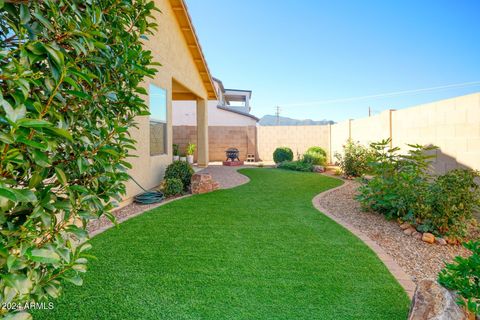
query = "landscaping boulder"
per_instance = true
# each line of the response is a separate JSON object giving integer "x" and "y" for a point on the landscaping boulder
{"x": 405, "y": 226}
{"x": 319, "y": 169}
{"x": 409, "y": 231}
{"x": 433, "y": 302}
{"x": 203, "y": 183}
{"x": 428, "y": 237}
{"x": 441, "y": 241}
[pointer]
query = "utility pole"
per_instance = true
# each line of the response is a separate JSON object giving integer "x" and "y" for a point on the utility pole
{"x": 277, "y": 113}
{"x": 369, "y": 111}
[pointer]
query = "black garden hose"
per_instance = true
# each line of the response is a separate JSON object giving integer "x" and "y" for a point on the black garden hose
{"x": 147, "y": 197}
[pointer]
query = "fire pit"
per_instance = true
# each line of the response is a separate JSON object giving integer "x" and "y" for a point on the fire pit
{"x": 232, "y": 154}
{"x": 232, "y": 157}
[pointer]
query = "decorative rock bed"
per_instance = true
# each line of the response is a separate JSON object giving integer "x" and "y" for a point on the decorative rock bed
{"x": 419, "y": 259}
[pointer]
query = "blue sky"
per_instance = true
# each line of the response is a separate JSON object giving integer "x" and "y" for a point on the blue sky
{"x": 295, "y": 52}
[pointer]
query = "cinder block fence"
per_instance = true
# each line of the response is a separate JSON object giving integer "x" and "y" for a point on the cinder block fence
{"x": 453, "y": 125}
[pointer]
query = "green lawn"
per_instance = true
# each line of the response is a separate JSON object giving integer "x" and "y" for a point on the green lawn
{"x": 258, "y": 251}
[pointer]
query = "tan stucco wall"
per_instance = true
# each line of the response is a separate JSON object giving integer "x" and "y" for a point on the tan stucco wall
{"x": 220, "y": 138}
{"x": 170, "y": 48}
{"x": 298, "y": 138}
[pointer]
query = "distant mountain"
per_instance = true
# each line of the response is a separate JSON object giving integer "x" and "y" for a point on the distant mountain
{"x": 270, "y": 120}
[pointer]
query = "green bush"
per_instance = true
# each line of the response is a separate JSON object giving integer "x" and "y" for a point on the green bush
{"x": 296, "y": 166}
{"x": 172, "y": 187}
{"x": 399, "y": 185}
{"x": 319, "y": 155}
{"x": 180, "y": 170}
{"x": 308, "y": 158}
{"x": 71, "y": 74}
{"x": 453, "y": 198}
{"x": 463, "y": 276}
{"x": 354, "y": 160}
{"x": 282, "y": 154}
{"x": 402, "y": 187}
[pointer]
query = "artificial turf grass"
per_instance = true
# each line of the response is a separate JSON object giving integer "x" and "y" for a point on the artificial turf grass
{"x": 258, "y": 251}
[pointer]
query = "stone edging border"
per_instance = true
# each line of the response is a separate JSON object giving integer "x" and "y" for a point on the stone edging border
{"x": 400, "y": 275}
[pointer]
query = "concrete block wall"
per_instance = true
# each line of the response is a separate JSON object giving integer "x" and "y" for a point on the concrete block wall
{"x": 220, "y": 138}
{"x": 453, "y": 125}
{"x": 298, "y": 138}
{"x": 339, "y": 134}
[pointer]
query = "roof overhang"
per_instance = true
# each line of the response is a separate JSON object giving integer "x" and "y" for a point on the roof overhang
{"x": 184, "y": 20}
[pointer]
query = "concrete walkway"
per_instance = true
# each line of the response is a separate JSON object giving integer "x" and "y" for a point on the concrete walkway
{"x": 228, "y": 177}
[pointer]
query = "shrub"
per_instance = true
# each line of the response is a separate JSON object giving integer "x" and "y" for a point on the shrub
{"x": 399, "y": 186}
{"x": 308, "y": 158}
{"x": 172, "y": 187}
{"x": 282, "y": 154}
{"x": 296, "y": 166}
{"x": 452, "y": 199}
{"x": 319, "y": 155}
{"x": 463, "y": 276}
{"x": 354, "y": 161}
{"x": 71, "y": 75}
{"x": 180, "y": 170}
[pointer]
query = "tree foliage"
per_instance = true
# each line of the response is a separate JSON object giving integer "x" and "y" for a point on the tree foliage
{"x": 70, "y": 75}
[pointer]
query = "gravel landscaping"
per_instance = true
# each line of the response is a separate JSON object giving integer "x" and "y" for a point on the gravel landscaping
{"x": 417, "y": 258}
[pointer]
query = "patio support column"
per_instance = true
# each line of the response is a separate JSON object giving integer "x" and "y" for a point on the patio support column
{"x": 202, "y": 132}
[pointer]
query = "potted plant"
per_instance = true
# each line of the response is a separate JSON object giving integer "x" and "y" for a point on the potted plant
{"x": 176, "y": 157}
{"x": 183, "y": 157}
{"x": 190, "y": 151}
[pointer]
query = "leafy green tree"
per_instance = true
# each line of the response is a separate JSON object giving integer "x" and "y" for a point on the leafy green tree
{"x": 70, "y": 78}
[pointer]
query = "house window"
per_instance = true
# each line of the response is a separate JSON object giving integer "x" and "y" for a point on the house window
{"x": 158, "y": 120}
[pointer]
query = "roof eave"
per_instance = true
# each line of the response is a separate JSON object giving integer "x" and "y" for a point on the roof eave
{"x": 180, "y": 9}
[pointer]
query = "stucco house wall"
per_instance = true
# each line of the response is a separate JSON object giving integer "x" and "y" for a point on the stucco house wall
{"x": 184, "y": 113}
{"x": 170, "y": 48}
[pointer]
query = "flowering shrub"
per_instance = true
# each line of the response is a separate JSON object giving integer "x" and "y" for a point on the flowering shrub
{"x": 354, "y": 160}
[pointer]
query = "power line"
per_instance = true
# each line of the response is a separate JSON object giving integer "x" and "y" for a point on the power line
{"x": 382, "y": 95}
